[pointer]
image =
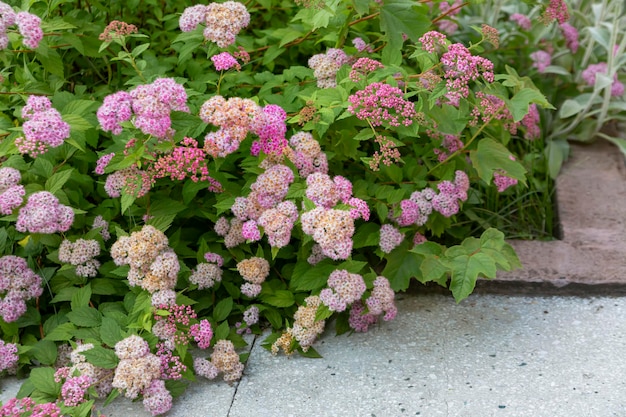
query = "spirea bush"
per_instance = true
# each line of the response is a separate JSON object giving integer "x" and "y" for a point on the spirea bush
{"x": 175, "y": 178}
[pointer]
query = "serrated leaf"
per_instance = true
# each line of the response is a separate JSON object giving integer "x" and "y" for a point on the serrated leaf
{"x": 323, "y": 312}
{"x": 62, "y": 332}
{"x": 102, "y": 357}
{"x": 43, "y": 380}
{"x": 366, "y": 234}
{"x": 222, "y": 331}
{"x": 45, "y": 351}
{"x": 433, "y": 270}
{"x": 50, "y": 60}
{"x": 110, "y": 331}
{"x": 520, "y": 101}
{"x": 402, "y": 265}
{"x": 58, "y": 180}
{"x": 81, "y": 297}
{"x": 307, "y": 277}
{"x": 491, "y": 156}
{"x": 280, "y": 298}
{"x": 466, "y": 270}
{"x": 398, "y": 18}
{"x": 85, "y": 317}
{"x": 223, "y": 309}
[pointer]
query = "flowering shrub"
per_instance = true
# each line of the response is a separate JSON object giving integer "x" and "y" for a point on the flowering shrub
{"x": 194, "y": 174}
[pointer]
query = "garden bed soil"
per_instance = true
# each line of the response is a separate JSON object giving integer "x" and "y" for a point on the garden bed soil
{"x": 591, "y": 197}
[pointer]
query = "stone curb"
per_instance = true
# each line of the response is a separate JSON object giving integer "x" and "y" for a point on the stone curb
{"x": 588, "y": 259}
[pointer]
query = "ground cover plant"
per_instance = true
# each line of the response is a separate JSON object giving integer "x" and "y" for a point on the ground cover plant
{"x": 175, "y": 176}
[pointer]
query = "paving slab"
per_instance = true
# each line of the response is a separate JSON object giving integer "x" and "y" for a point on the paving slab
{"x": 590, "y": 192}
{"x": 488, "y": 356}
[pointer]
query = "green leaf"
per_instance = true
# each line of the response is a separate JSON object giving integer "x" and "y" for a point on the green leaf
{"x": 401, "y": 266}
{"x": 62, "y": 332}
{"x": 398, "y": 17}
{"x": 127, "y": 201}
{"x": 81, "y": 297}
{"x": 323, "y": 312}
{"x": 524, "y": 97}
{"x": 366, "y": 234}
{"x": 310, "y": 353}
{"x": 223, "y": 309}
{"x": 110, "y": 331}
{"x": 45, "y": 351}
{"x": 466, "y": 270}
{"x": 280, "y": 298}
{"x": 50, "y": 60}
{"x": 492, "y": 156}
{"x": 85, "y": 317}
{"x": 43, "y": 380}
{"x": 570, "y": 108}
{"x": 77, "y": 122}
{"x": 102, "y": 357}
{"x": 58, "y": 180}
{"x": 556, "y": 153}
{"x": 307, "y": 277}
{"x": 433, "y": 270}
{"x": 222, "y": 331}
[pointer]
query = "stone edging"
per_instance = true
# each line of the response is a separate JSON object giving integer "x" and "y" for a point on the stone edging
{"x": 591, "y": 199}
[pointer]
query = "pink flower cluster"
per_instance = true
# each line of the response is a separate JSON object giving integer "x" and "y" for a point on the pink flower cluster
{"x": 254, "y": 271}
{"x": 381, "y": 104}
{"x": 449, "y": 145}
{"x": 380, "y": 301}
{"x": 11, "y": 192}
{"x": 446, "y": 201}
{"x": 417, "y": 208}
{"x": 28, "y": 25}
{"x": 362, "y": 46}
{"x": 387, "y": 153}
{"x": 390, "y": 237}
{"x": 250, "y": 317}
{"x": 131, "y": 181}
{"x": 502, "y": 181}
{"x": 115, "y": 30}
{"x": 157, "y": 399}
{"x": 43, "y": 129}
{"x": 461, "y": 67}
{"x": 81, "y": 254}
{"x": 8, "y": 357}
{"x": 74, "y": 390}
{"x": 223, "y": 359}
{"x": 206, "y": 274}
{"x": 450, "y": 10}
{"x": 27, "y": 406}
{"x": 589, "y": 76}
{"x": 100, "y": 378}
{"x": 103, "y": 161}
{"x": 522, "y": 20}
{"x": 344, "y": 289}
{"x": 264, "y": 206}
{"x": 99, "y": 221}
{"x": 153, "y": 264}
{"x": 362, "y": 67}
{"x": 18, "y": 284}
{"x": 44, "y": 214}
{"x": 202, "y": 333}
{"x": 230, "y": 230}
{"x": 556, "y": 10}
{"x": 531, "y": 123}
{"x": 222, "y": 21}
{"x": 305, "y": 328}
{"x": 269, "y": 125}
{"x": 491, "y": 108}
{"x": 307, "y": 154}
{"x": 185, "y": 161}
{"x": 325, "y": 66}
{"x": 570, "y": 33}
{"x": 225, "y": 61}
{"x": 152, "y": 105}
{"x": 433, "y": 41}
{"x": 541, "y": 60}
{"x": 327, "y": 193}
{"x": 138, "y": 367}
{"x": 331, "y": 229}
{"x": 234, "y": 118}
